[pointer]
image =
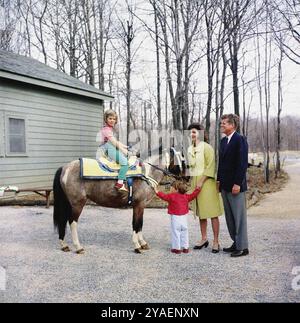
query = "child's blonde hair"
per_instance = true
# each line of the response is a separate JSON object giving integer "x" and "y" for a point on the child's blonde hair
{"x": 110, "y": 113}
{"x": 180, "y": 186}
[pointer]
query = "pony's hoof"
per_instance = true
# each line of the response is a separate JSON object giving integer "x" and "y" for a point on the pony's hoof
{"x": 137, "y": 250}
{"x": 65, "y": 249}
{"x": 80, "y": 251}
{"x": 145, "y": 247}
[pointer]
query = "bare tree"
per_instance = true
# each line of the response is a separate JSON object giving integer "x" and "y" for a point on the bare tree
{"x": 239, "y": 18}
{"x": 38, "y": 13}
{"x": 126, "y": 34}
{"x": 279, "y": 110}
{"x": 267, "y": 63}
{"x": 7, "y": 26}
{"x": 179, "y": 21}
{"x": 288, "y": 21}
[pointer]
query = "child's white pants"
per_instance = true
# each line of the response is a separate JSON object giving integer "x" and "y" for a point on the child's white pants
{"x": 179, "y": 232}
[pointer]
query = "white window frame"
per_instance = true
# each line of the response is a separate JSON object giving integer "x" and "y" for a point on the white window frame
{"x": 2, "y": 132}
{"x": 15, "y": 116}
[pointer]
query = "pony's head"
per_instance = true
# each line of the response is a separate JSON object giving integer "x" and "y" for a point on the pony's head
{"x": 177, "y": 165}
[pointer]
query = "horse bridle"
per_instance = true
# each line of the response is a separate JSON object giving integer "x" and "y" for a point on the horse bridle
{"x": 163, "y": 170}
{"x": 151, "y": 181}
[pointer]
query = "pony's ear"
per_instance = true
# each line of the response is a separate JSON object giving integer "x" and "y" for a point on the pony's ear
{"x": 172, "y": 151}
{"x": 167, "y": 159}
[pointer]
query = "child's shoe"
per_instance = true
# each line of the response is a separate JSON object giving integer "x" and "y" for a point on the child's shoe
{"x": 121, "y": 187}
{"x": 185, "y": 250}
{"x": 176, "y": 251}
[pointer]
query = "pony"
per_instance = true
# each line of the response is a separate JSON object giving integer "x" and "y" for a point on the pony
{"x": 71, "y": 194}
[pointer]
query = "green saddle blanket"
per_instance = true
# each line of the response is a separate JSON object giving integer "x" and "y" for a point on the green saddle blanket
{"x": 104, "y": 168}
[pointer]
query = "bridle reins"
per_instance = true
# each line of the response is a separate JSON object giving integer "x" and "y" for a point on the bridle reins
{"x": 151, "y": 181}
{"x": 166, "y": 172}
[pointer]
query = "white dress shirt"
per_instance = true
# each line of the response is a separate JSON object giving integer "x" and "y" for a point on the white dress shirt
{"x": 229, "y": 137}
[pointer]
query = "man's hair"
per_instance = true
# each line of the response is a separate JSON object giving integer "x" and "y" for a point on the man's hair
{"x": 180, "y": 186}
{"x": 232, "y": 119}
{"x": 110, "y": 113}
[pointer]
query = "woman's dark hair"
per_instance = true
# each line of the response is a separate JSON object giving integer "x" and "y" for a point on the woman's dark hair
{"x": 199, "y": 127}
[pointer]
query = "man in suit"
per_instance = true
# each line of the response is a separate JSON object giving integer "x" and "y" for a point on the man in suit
{"x": 231, "y": 181}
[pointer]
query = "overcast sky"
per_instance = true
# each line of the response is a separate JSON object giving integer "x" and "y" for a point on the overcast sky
{"x": 291, "y": 91}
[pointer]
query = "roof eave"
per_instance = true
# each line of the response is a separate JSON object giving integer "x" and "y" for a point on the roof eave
{"x": 55, "y": 86}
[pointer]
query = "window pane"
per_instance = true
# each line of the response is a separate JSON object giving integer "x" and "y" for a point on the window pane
{"x": 17, "y": 136}
{"x": 16, "y": 126}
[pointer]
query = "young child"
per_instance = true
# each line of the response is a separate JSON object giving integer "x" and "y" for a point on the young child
{"x": 114, "y": 148}
{"x": 178, "y": 208}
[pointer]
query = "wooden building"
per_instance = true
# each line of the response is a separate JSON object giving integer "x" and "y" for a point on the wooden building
{"x": 47, "y": 118}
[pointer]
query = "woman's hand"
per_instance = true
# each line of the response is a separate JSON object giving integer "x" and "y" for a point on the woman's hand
{"x": 201, "y": 181}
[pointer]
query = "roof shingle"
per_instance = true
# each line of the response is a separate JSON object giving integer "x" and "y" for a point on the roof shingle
{"x": 29, "y": 67}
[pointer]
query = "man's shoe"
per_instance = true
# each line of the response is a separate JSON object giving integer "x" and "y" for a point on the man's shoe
{"x": 239, "y": 253}
{"x": 201, "y": 245}
{"x": 230, "y": 249}
{"x": 121, "y": 187}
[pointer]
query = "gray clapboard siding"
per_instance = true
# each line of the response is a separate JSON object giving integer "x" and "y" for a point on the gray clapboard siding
{"x": 63, "y": 117}
{"x": 26, "y": 181}
{"x": 31, "y": 166}
{"x": 66, "y": 132}
{"x": 53, "y": 116}
{"x": 64, "y": 114}
{"x": 47, "y": 104}
{"x": 55, "y": 136}
{"x": 20, "y": 161}
{"x": 39, "y": 100}
{"x": 57, "y": 133}
{"x": 27, "y": 172}
{"x": 2, "y": 138}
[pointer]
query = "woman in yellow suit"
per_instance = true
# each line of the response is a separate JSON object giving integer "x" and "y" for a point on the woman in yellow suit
{"x": 208, "y": 204}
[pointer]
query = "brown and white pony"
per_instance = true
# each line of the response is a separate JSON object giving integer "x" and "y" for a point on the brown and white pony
{"x": 71, "y": 194}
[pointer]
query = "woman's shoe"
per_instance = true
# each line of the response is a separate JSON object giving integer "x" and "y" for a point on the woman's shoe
{"x": 201, "y": 245}
{"x": 215, "y": 248}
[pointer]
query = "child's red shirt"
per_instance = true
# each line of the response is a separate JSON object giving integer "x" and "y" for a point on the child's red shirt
{"x": 178, "y": 203}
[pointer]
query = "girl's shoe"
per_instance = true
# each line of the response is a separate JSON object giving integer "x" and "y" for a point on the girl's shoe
{"x": 121, "y": 187}
{"x": 201, "y": 245}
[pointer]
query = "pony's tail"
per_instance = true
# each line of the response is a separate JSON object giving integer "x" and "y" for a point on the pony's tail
{"x": 62, "y": 210}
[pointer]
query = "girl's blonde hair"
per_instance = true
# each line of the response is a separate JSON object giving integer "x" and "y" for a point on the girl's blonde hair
{"x": 110, "y": 113}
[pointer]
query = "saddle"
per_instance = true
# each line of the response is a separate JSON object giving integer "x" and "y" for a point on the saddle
{"x": 106, "y": 168}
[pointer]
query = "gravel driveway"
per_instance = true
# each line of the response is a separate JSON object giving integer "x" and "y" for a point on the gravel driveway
{"x": 109, "y": 271}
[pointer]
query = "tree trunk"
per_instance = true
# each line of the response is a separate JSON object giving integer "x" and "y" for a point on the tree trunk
{"x": 279, "y": 109}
